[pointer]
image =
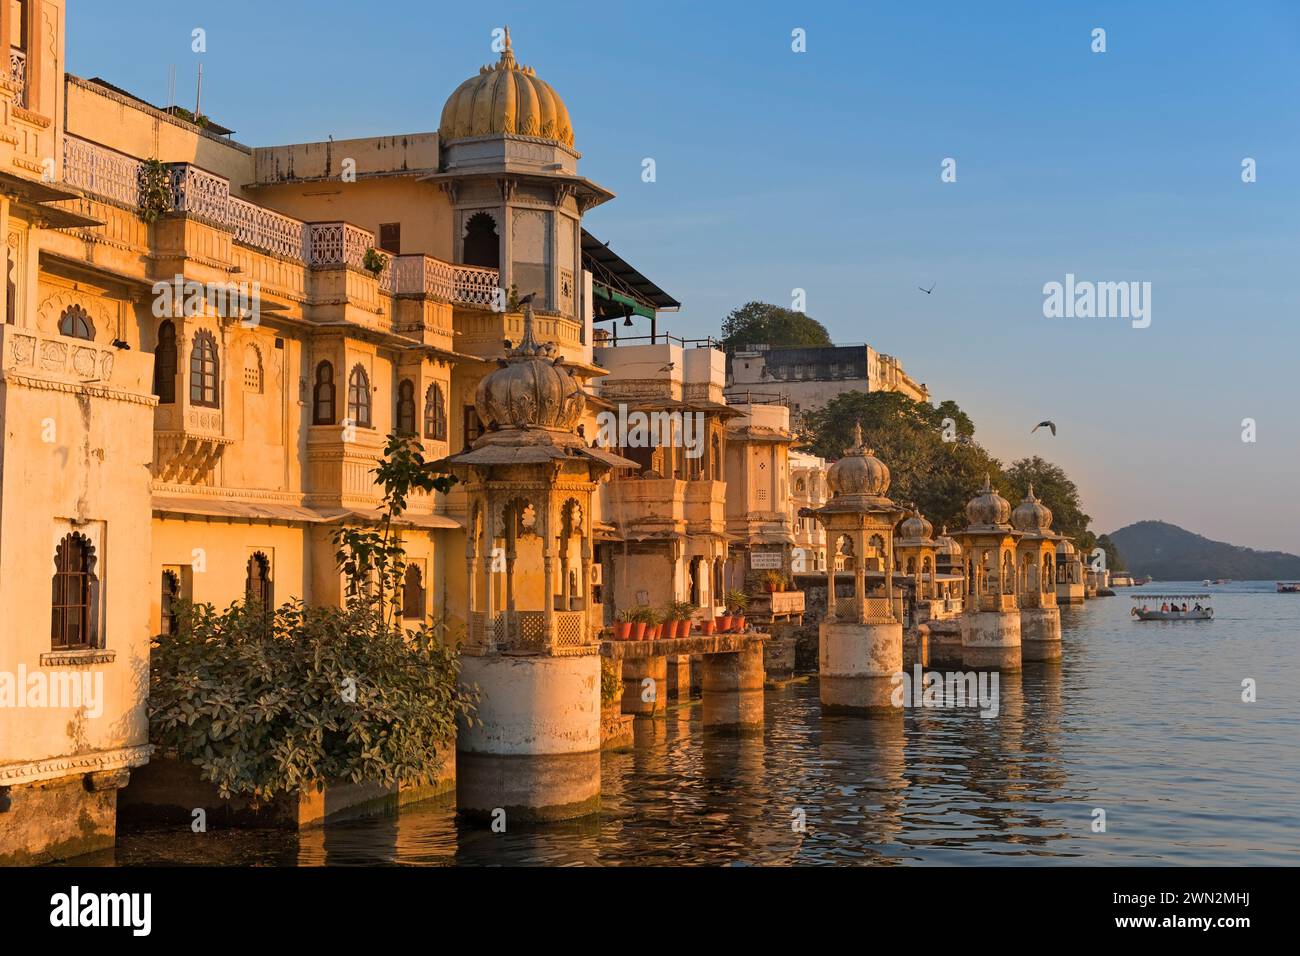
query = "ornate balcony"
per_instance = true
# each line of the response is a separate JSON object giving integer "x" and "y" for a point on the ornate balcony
{"x": 524, "y": 632}
{"x": 116, "y": 177}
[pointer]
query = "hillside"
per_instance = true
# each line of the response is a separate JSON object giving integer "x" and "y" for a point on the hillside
{"x": 1170, "y": 553}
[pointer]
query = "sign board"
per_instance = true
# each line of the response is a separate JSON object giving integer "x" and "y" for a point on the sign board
{"x": 765, "y": 560}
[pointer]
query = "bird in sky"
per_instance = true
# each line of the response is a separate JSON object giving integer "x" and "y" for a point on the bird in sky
{"x": 929, "y": 290}
{"x": 1051, "y": 425}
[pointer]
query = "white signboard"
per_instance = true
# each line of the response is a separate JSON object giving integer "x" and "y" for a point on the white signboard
{"x": 765, "y": 560}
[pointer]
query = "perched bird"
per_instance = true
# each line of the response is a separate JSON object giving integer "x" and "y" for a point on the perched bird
{"x": 1051, "y": 425}
{"x": 668, "y": 367}
{"x": 929, "y": 290}
{"x": 528, "y": 298}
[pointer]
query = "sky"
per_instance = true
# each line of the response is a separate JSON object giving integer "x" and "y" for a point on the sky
{"x": 820, "y": 170}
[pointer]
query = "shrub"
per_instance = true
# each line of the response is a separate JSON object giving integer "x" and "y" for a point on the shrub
{"x": 611, "y": 681}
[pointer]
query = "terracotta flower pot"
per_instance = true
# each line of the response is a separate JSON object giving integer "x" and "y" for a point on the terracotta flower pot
{"x": 653, "y": 631}
{"x": 724, "y": 623}
{"x": 638, "y": 631}
{"x": 622, "y": 629}
{"x": 738, "y": 622}
{"x": 684, "y": 628}
{"x": 707, "y": 627}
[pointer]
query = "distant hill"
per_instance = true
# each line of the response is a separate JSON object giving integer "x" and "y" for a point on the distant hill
{"x": 1169, "y": 553}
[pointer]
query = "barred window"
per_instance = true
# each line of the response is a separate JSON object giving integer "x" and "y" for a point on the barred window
{"x": 74, "y": 621}
{"x": 323, "y": 395}
{"x": 204, "y": 371}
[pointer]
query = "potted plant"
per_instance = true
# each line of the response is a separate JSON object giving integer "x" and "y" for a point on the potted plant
{"x": 737, "y": 601}
{"x": 623, "y": 626}
{"x": 681, "y": 612}
{"x": 653, "y": 626}
{"x": 708, "y": 627}
{"x": 773, "y": 581}
{"x": 641, "y": 618}
{"x": 374, "y": 262}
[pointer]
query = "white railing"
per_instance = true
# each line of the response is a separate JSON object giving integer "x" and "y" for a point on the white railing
{"x": 18, "y": 75}
{"x": 101, "y": 171}
{"x": 270, "y": 231}
{"x": 326, "y": 245}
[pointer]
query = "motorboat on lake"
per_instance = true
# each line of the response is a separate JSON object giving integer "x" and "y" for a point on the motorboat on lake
{"x": 1288, "y": 587}
{"x": 1171, "y": 607}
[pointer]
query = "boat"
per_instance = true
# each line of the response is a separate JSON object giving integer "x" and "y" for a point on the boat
{"x": 1288, "y": 587}
{"x": 1206, "y": 583}
{"x": 1144, "y": 613}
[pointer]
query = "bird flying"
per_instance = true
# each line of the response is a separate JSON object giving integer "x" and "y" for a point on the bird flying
{"x": 1051, "y": 425}
{"x": 929, "y": 290}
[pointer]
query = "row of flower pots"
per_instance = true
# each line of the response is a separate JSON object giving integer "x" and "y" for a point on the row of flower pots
{"x": 667, "y": 630}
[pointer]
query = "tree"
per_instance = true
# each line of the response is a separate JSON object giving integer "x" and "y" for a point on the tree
{"x": 1114, "y": 560}
{"x": 938, "y": 476}
{"x": 1053, "y": 487}
{"x": 761, "y": 323}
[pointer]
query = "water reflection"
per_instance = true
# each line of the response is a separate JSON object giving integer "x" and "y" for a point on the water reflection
{"x": 1143, "y": 721}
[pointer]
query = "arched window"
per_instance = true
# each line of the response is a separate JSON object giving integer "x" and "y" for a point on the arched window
{"x": 74, "y": 621}
{"x": 252, "y": 369}
{"x": 171, "y": 591}
{"x": 323, "y": 395}
{"x": 203, "y": 371}
{"x": 164, "y": 364}
{"x": 359, "y": 397}
{"x": 435, "y": 413}
{"x": 413, "y": 592}
{"x": 406, "y": 407}
{"x": 75, "y": 323}
{"x": 257, "y": 582}
{"x": 482, "y": 245}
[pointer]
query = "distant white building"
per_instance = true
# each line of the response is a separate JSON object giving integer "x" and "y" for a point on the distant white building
{"x": 808, "y": 378}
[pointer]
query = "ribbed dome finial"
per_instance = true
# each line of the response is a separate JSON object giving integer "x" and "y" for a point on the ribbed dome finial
{"x": 506, "y": 98}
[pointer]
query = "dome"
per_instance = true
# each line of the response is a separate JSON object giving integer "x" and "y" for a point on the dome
{"x": 531, "y": 389}
{"x": 915, "y": 527}
{"x": 946, "y": 545}
{"x": 988, "y": 509}
{"x": 506, "y": 98}
{"x": 1031, "y": 515}
{"x": 1065, "y": 547}
{"x": 859, "y": 472}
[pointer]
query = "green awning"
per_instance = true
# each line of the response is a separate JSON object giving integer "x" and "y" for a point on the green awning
{"x": 600, "y": 291}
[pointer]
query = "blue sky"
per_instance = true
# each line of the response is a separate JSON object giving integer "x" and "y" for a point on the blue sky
{"x": 820, "y": 171}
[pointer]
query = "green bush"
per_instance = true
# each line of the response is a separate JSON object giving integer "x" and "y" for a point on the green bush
{"x": 611, "y": 681}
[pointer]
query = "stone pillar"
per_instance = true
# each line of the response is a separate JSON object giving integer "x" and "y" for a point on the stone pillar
{"x": 830, "y": 587}
{"x": 636, "y": 671}
{"x": 857, "y": 663}
{"x": 733, "y": 689}
{"x": 1040, "y": 634}
{"x": 679, "y": 676}
{"x": 533, "y": 748}
{"x": 991, "y": 639}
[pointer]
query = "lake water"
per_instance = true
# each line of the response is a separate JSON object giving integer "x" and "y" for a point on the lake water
{"x": 1142, "y": 720}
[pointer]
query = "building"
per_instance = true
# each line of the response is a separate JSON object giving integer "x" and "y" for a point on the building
{"x": 808, "y": 378}
{"x": 205, "y": 346}
{"x": 807, "y": 484}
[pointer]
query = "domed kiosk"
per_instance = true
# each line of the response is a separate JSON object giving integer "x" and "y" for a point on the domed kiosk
{"x": 533, "y": 748}
{"x": 990, "y": 620}
{"x": 1040, "y": 618}
{"x": 861, "y": 638}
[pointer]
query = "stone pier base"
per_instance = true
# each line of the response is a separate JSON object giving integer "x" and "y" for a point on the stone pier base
{"x": 1040, "y": 634}
{"x": 58, "y": 819}
{"x": 991, "y": 639}
{"x": 679, "y": 676}
{"x": 733, "y": 690}
{"x": 640, "y": 698}
{"x": 536, "y": 754}
{"x": 857, "y": 664}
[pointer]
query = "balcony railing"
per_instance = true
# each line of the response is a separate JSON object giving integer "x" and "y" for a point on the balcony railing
{"x": 525, "y": 632}
{"x": 18, "y": 75}
{"x": 322, "y": 245}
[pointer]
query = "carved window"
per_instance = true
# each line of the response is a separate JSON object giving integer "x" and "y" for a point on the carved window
{"x": 473, "y": 427}
{"x": 482, "y": 244}
{"x": 164, "y": 364}
{"x": 413, "y": 593}
{"x": 204, "y": 371}
{"x": 74, "y": 621}
{"x": 171, "y": 592}
{"x": 257, "y": 582}
{"x": 252, "y": 369}
{"x": 75, "y": 323}
{"x": 359, "y": 397}
{"x": 323, "y": 395}
{"x": 406, "y": 407}
{"x": 435, "y": 413}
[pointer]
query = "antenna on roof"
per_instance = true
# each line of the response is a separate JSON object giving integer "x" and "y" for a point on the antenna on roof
{"x": 171, "y": 86}
{"x": 198, "y": 94}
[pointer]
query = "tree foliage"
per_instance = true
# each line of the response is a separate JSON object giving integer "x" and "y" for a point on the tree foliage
{"x": 761, "y": 323}
{"x": 1053, "y": 487}
{"x": 273, "y": 702}
{"x": 938, "y": 475}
